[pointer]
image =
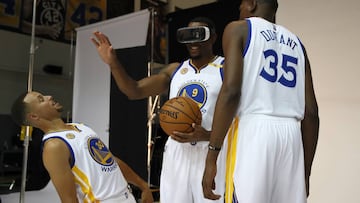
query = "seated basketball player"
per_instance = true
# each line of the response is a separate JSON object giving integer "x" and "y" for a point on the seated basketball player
{"x": 80, "y": 165}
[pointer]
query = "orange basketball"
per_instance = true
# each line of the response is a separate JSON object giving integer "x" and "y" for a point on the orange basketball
{"x": 178, "y": 114}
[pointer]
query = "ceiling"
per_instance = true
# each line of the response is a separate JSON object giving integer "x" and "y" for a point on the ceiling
{"x": 122, "y": 7}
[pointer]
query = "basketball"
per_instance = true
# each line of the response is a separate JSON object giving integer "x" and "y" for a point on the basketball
{"x": 178, "y": 114}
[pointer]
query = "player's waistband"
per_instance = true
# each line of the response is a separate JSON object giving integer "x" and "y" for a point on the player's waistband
{"x": 200, "y": 144}
{"x": 125, "y": 195}
{"x": 266, "y": 117}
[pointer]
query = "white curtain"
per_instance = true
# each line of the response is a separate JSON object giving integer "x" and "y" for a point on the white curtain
{"x": 91, "y": 99}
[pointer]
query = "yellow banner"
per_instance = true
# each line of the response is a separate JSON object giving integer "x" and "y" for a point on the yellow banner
{"x": 54, "y": 19}
{"x": 10, "y": 11}
{"x": 83, "y": 12}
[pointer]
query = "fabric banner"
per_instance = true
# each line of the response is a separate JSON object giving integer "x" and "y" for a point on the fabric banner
{"x": 91, "y": 96}
{"x": 10, "y": 12}
{"x": 55, "y": 19}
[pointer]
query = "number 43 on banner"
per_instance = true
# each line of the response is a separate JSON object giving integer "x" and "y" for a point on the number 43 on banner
{"x": 83, "y": 12}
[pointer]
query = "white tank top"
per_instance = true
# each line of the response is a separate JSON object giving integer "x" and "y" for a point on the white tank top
{"x": 274, "y": 72}
{"x": 97, "y": 174}
{"x": 202, "y": 86}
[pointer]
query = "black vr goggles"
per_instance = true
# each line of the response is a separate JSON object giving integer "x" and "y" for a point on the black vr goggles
{"x": 193, "y": 34}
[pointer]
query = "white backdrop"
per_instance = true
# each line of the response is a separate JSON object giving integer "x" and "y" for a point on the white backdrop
{"x": 91, "y": 100}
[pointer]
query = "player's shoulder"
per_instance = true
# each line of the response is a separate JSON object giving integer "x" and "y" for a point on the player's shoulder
{"x": 237, "y": 27}
{"x": 237, "y": 24}
{"x": 54, "y": 144}
{"x": 219, "y": 61}
{"x": 173, "y": 65}
{"x": 170, "y": 68}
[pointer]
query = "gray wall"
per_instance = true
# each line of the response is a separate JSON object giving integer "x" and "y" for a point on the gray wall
{"x": 14, "y": 66}
{"x": 330, "y": 31}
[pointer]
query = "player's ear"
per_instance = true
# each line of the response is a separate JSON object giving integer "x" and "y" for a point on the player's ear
{"x": 31, "y": 117}
{"x": 251, "y": 6}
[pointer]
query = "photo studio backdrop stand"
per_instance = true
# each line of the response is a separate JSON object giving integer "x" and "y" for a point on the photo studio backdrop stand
{"x": 152, "y": 102}
{"x": 29, "y": 89}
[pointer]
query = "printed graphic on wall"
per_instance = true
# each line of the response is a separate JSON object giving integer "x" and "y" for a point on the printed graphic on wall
{"x": 54, "y": 19}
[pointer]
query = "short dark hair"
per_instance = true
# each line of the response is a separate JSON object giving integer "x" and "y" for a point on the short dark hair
{"x": 273, "y": 3}
{"x": 19, "y": 110}
{"x": 206, "y": 21}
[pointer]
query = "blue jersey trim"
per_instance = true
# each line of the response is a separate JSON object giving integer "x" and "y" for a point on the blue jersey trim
{"x": 302, "y": 46}
{"x": 222, "y": 70}
{"x": 248, "y": 37}
{"x": 66, "y": 142}
{"x": 193, "y": 67}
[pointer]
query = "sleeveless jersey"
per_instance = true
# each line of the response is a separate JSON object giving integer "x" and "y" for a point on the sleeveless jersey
{"x": 97, "y": 174}
{"x": 273, "y": 73}
{"x": 202, "y": 86}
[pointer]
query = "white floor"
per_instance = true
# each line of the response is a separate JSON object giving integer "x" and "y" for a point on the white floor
{"x": 42, "y": 196}
{"x": 46, "y": 195}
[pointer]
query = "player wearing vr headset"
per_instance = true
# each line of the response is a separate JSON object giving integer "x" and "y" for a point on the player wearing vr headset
{"x": 200, "y": 78}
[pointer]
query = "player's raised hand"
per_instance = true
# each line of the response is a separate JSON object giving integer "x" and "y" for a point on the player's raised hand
{"x": 104, "y": 47}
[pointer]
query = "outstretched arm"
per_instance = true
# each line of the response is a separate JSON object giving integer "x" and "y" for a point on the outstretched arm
{"x": 133, "y": 178}
{"x": 149, "y": 86}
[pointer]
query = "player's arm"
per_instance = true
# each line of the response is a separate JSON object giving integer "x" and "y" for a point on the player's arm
{"x": 133, "y": 89}
{"x": 228, "y": 98}
{"x": 310, "y": 123}
{"x": 133, "y": 178}
{"x": 56, "y": 157}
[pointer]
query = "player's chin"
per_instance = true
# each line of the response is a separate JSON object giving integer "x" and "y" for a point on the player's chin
{"x": 195, "y": 56}
{"x": 60, "y": 109}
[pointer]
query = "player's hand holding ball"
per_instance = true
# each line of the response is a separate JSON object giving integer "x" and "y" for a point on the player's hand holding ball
{"x": 198, "y": 134}
{"x": 180, "y": 118}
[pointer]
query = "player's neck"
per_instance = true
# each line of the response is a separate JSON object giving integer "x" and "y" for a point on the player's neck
{"x": 202, "y": 62}
{"x": 58, "y": 126}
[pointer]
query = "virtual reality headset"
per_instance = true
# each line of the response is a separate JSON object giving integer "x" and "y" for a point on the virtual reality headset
{"x": 193, "y": 34}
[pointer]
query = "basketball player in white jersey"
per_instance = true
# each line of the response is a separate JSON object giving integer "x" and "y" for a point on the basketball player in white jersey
{"x": 200, "y": 78}
{"x": 80, "y": 165}
{"x": 268, "y": 101}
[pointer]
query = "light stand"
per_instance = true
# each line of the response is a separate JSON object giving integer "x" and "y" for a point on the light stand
{"x": 152, "y": 103}
{"x": 29, "y": 89}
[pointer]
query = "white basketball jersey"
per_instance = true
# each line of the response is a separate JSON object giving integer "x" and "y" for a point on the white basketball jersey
{"x": 274, "y": 72}
{"x": 97, "y": 174}
{"x": 202, "y": 86}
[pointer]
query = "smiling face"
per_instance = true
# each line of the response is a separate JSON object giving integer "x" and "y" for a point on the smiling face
{"x": 200, "y": 49}
{"x": 42, "y": 107}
